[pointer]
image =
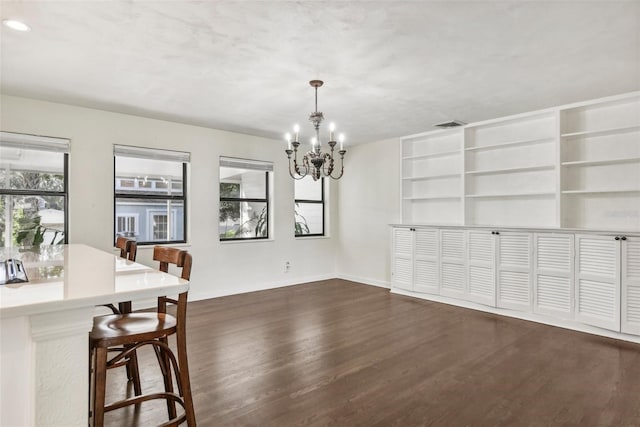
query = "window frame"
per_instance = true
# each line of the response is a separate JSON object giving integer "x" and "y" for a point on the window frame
{"x": 153, "y": 197}
{"x": 267, "y": 202}
{"x": 318, "y": 202}
{"x": 40, "y": 143}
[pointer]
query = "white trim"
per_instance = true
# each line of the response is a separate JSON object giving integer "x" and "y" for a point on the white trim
{"x": 250, "y": 286}
{"x": 365, "y": 280}
{"x": 151, "y": 153}
{"x": 34, "y": 142}
{"x": 233, "y": 162}
{"x": 566, "y": 324}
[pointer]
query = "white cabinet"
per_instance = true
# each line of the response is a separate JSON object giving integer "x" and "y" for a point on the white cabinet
{"x": 597, "y": 281}
{"x": 630, "y": 284}
{"x": 481, "y": 260}
{"x": 608, "y": 282}
{"x": 415, "y": 259}
{"x": 402, "y": 258}
{"x": 553, "y": 274}
{"x": 452, "y": 263}
{"x": 499, "y": 269}
{"x": 590, "y": 278}
{"x": 514, "y": 287}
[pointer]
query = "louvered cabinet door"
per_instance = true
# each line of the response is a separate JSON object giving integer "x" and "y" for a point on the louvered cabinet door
{"x": 481, "y": 261}
{"x": 514, "y": 287}
{"x": 425, "y": 273}
{"x": 553, "y": 274}
{"x": 597, "y": 285}
{"x": 452, "y": 263}
{"x": 631, "y": 285}
{"x": 402, "y": 258}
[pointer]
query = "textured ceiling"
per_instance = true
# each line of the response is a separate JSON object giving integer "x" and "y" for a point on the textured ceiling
{"x": 390, "y": 68}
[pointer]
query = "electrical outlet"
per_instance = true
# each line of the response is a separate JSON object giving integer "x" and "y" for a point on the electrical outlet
{"x": 287, "y": 266}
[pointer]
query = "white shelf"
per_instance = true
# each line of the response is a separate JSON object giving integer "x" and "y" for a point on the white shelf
{"x": 432, "y": 198}
{"x": 510, "y": 144}
{"x": 601, "y": 191}
{"x": 516, "y": 195}
{"x": 512, "y": 170}
{"x": 602, "y": 162}
{"x": 431, "y": 155}
{"x": 439, "y": 176}
{"x": 597, "y": 132}
{"x": 573, "y": 166}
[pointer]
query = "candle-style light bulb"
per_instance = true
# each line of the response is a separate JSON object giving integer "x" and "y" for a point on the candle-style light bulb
{"x": 332, "y": 127}
{"x": 288, "y": 138}
{"x": 341, "y": 138}
{"x": 296, "y": 129}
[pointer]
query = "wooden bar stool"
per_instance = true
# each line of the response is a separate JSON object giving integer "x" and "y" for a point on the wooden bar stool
{"x": 127, "y": 332}
{"x": 128, "y": 248}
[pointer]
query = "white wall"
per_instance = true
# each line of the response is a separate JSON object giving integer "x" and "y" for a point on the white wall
{"x": 219, "y": 268}
{"x": 369, "y": 202}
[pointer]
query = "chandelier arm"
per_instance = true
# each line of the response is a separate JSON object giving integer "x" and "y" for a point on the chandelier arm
{"x": 342, "y": 153}
{"x": 327, "y": 165}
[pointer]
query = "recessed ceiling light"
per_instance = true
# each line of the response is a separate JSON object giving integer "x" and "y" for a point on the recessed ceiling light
{"x": 16, "y": 25}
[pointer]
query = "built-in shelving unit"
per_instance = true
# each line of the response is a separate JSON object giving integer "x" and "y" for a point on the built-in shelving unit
{"x": 573, "y": 166}
{"x": 432, "y": 177}
{"x": 600, "y": 164}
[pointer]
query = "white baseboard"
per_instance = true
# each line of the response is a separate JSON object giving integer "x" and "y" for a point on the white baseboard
{"x": 365, "y": 280}
{"x": 253, "y": 287}
{"x": 533, "y": 317}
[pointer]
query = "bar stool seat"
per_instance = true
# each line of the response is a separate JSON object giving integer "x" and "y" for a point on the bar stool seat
{"x": 111, "y": 330}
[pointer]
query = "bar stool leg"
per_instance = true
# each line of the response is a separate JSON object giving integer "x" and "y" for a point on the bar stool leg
{"x": 100, "y": 374}
{"x": 165, "y": 367}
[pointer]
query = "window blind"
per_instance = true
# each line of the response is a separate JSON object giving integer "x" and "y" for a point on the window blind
{"x": 151, "y": 153}
{"x": 34, "y": 142}
{"x": 233, "y": 162}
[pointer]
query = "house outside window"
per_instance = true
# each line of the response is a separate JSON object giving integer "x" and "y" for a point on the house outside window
{"x": 150, "y": 194}
{"x": 309, "y": 210}
{"x": 33, "y": 190}
{"x": 244, "y": 199}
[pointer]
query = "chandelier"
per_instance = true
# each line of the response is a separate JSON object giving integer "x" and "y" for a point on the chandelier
{"x": 315, "y": 162}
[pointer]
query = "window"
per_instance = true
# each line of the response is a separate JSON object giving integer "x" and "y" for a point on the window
{"x": 127, "y": 225}
{"x": 160, "y": 224}
{"x": 33, "y": 190}
{"x": 309, "y": 207}
{"x": 150, "y": 194}
{"x": 244, "y": 199}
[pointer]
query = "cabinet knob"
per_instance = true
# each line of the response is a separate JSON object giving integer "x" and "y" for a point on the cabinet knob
{"x": 497, "y": 232}
{"x": 617, "y": 237}
{"x": 623, "y": 238}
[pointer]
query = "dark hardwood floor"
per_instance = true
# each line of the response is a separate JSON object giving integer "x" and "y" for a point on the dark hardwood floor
{"x": 345, "y": 354}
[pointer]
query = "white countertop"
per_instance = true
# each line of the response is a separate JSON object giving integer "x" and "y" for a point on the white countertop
{"x": 69, "y": 276}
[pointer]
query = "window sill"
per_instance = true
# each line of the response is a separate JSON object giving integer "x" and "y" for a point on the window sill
{"x": 148, "y": 247}
{"x": 311, "y": 237}
{"x": 231, "y": 242}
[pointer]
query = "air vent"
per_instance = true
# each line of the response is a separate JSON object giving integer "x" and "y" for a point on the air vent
{"x": 451, "y": 124}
